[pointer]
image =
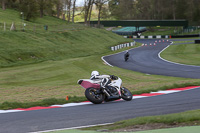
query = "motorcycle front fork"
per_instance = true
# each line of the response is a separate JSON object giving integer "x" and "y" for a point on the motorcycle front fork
{"x": 109, "y": 94}
{"x": 106, "y": 92}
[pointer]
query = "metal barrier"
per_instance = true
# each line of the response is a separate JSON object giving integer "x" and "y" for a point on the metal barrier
{"x": 197, "y": 41}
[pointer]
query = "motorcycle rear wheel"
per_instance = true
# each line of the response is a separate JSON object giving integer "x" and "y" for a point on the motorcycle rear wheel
{"x": 126, "y": 94}
{"x": 93, "y": 96}
{"x": 126, "y": 58}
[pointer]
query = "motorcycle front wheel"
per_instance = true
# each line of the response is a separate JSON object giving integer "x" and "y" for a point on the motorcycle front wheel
{"x": 94, "y": 96}
{"x": 126, "y": 58}
{"x": 126, "y": 94}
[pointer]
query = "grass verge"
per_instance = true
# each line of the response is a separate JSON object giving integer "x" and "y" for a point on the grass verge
{"x": 45, "y": 102}
{"x": 184, "y": 53}
{"x": 189, "y": 118}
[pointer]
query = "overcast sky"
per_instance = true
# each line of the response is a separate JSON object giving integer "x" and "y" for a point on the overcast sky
{"x": 79, "y": 2}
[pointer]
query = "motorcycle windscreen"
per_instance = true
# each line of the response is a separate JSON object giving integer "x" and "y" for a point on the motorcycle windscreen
{"x": 87, "y": 84}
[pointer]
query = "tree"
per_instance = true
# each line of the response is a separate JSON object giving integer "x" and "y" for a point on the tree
{"x": 68, "y": 4}
{"x": 90, "y": 12}
{"x": 181, "y": 8}
{"x": 174, "y": 9}
{"x": 29, "y": 9}
{"x": 49, "y": 7}
{"x": 122, "y": 9}
{"x": 42, "y": 6}
{"x": 87, "y": 6}
{"x": 3, "y": 3}
{"x": 144, "y": 9}
{"x": 196, "y": 17}
{"x": 59, "y": 7}
{"x": 99, "y": 4}
{"x": 73, "y": 12}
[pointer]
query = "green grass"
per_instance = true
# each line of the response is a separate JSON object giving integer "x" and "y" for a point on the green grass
{"x": 194, "y": 32}
{"x": 188, "y": 129}
{"x": 191, "y": 118}
{"x": 44, "y": 102}
{"x": 63, "y": 40}
{"x": 25, "y": 47}
{"x": 184, "y": 54}
{"x": 10, "y": 16}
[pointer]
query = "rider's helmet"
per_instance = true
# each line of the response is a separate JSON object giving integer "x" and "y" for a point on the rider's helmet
{"x": 94, "y": 73}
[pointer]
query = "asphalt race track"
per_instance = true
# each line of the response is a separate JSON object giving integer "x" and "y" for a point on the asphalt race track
{"x": 143, "y": 59}
{"x": 146, "y": 59}
{"x": 48, "y": 119}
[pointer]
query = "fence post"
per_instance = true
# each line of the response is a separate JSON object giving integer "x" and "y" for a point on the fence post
{"x": 12, "y": 26}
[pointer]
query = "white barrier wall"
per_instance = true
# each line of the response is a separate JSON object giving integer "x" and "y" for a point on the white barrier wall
{"x": 120, "y": 46}
{"x": 149, "y": 37}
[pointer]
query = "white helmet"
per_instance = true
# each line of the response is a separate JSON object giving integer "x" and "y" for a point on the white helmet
{"x": 94, "y": 73}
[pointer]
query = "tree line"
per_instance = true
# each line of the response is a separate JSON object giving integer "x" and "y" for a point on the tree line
{"x": 117, "y": 9}
{"x": 38, "y": 8}
{"x": 156, "y": 10}
{"x": 64, "y": 9}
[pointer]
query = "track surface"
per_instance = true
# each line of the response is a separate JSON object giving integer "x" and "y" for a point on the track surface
{"x": 40, "y": 120}
{"x": 145, "y": 59}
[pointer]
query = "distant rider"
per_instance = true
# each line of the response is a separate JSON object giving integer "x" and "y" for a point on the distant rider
{"x": 126, "y": 55}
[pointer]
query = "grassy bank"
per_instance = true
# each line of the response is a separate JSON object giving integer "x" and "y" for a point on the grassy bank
{"x": 189, "y": 118}
{"x": 184, "y": 54}
{"x": 19, "y": 48}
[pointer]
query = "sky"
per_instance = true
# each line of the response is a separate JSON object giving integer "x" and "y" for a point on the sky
{"x": 79, "y": 2}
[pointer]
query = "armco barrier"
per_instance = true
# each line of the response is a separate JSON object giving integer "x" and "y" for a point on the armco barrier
{"x": 120, "y": 46}
{"x": 163, "y": 36}
{"x": 197, "y": 41}
{"x": 149, "y": 37}
{"x": 185, "y": 36}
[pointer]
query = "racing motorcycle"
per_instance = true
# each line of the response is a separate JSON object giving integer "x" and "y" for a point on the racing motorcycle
{"x": 107, "y": 89}
{"x": 126, "y": 56}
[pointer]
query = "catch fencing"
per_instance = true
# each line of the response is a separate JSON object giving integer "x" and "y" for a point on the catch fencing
{"x": 40, "y": 28}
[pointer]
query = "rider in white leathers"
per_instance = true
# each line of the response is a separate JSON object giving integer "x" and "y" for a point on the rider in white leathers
{"x": 96, "y": 75}
{"x": 104, "y": 80}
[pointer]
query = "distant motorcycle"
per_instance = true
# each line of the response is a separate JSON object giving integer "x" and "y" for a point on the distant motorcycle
{"x": 107, "y": 89}
{"x": 126, "y": 56}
